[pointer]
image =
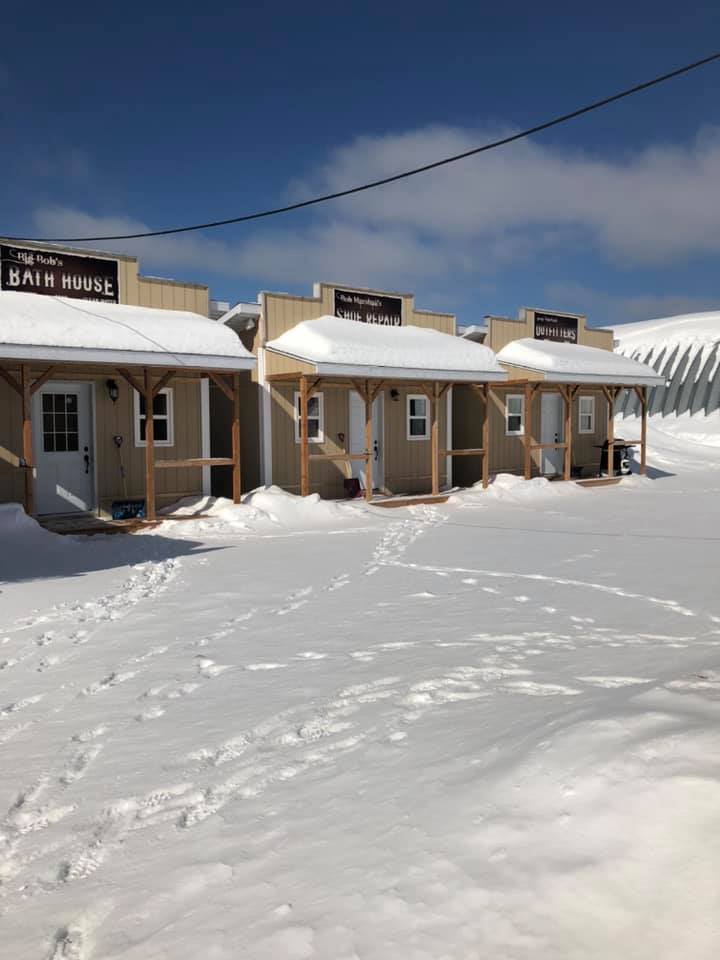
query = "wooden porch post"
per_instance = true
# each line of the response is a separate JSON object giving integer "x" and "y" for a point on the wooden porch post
{"x": 368, "y": 442}
{"x": 435, "y": 439}
{"x": 610, "y": 397}
{"x": 486, "y": 436}
{"x": 149, "y": 446}
{"x": 236, "y": 439}
{"x": 567, "y": 393}
{"x": 304, "y": 444}
{"x": 27, "y": 450}
{"x": 528, "y": 430}
{"x": 643, "y": 430}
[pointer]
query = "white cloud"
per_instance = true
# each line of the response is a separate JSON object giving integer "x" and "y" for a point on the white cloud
{"x": 457, "y": 225}
{"x": 612, "y": 309}
{"x": 659, "y": 203}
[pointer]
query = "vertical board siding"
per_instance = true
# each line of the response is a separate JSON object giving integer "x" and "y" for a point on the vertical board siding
{"x": 408, "y": 463}
{"x": 11, "y": 479}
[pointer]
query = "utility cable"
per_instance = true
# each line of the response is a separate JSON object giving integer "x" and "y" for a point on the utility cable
{"x": 275, "y": 211}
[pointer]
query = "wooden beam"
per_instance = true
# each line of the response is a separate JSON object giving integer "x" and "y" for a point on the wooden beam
{"x": 643, "y": 432}
{"x": 337, "y": 456}
{"x": 359, "y": 388}
{"x": 12, "y": 458}
{"x": 567, "y": 460}
{"x": 222, "y": 383}
{"x": 377, "y": 390}
{"x": 236, "y": 475}
{"x": 27, "y": 449}
{"x": 163, "y": 382}
{"x": 10, "y": 379}
{"x": 149, "y": 446}
{"x": 195, "y": 462}
{"x": 548, "y": 446}
{"x": 527, "y": 438}
{"x": 304, "y": 450}
{"x": 435, "y": 439}
{"x": 135, "y": 384}
{"x": 368, "y": 443}
{"x": 486, "y": 437}
{"x": 42, "y": 379}
{"x": 468, "y": 452}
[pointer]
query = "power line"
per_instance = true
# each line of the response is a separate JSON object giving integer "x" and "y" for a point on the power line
{"x": 262, "y": 214}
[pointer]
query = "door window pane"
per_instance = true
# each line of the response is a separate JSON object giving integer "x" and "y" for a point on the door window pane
{"x": 60, "y": 427}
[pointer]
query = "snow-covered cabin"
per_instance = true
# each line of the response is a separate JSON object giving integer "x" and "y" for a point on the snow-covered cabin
{"x": 104, "y": 383}
{"x": 555, "y": 412}
{"x": 355, "y": 387}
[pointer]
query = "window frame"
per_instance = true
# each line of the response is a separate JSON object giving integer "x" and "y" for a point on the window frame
{"x": 409, "y": 417}
{"x": 591, "y": 398}
{"x": 320, "y": 397}
{"x": 169, "y": 417}
{"x": 521, "y": 431}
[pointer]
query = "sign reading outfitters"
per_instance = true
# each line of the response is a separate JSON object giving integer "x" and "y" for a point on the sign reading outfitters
{"x": 58, "y": 274}
{"x": 550, "y": 326}
{"x": 368, "y": 308}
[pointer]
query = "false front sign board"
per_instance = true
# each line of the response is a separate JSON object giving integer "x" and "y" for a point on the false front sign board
{"x": 58, "y": 274}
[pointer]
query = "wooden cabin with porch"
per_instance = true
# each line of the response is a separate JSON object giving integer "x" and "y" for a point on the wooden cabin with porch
{"x": 104, "y": 403}
{"x": 555, "y": 415}
{"x": 356, "y": 393}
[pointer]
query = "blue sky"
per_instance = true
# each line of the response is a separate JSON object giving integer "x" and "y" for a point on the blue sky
{"x": 173, "y": 115}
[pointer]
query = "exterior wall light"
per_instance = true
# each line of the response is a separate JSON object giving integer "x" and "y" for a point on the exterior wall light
{"x": 394, "y": 394}
{"x": 113, "y": 390}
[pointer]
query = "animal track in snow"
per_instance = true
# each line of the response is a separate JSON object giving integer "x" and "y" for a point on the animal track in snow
{"x": 21, "y": 704}
{"x": 532, "y": 688}
{"x": 310, "y": 655}
{"x": 209, "y": 669}
{"x": 265, "y": 666}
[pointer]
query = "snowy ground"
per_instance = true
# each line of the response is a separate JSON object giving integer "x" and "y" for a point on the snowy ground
{"x": 485, "y": 729}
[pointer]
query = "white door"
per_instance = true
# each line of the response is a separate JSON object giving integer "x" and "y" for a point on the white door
{"x": 62, "y": 448}
{"x": 551, "y": 431}
{"x": 357, "y": 439}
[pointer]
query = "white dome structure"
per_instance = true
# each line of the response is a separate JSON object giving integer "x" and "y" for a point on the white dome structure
{"x": 686, "y": 351}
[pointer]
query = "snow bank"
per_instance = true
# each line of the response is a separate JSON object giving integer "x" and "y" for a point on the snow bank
{"x": 17, "y": 528}
{"x": 29, "y": 319}
{"x": 267, "y": 510}
{"x": 509, "y": 488}
{"x": 338, "y": 342}
{"x": 570, "y": 362}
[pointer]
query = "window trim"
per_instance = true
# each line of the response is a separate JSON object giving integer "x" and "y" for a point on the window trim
{"x": 426, "y": 417}
{"x": 521, "y": 431}
{"x": 320, "y": 438}
{"x": 591, "y": 398}
{"x": 170, "y": 442}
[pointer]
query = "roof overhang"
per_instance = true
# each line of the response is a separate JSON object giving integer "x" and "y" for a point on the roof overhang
{"x": 82, "y": 355}
{"x": 394, "y": 373}
{"x": 609, "y": 379}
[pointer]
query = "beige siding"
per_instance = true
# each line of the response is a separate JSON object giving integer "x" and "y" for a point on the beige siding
{"x": 325, "y": 478}
{"x": 503, "y": 330}
{"x": 408, "y": 463}
{"x": 11, "y": 478}
{"x": 111, "y": 419}
{"x": 221, "y": 437}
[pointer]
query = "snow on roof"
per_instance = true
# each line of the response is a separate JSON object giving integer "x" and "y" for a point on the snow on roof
{"x": 572, "y": 363}
{"x": 684, "y": 338}
{"x": 38, "y": 327}
{"x": 349, "y": 348}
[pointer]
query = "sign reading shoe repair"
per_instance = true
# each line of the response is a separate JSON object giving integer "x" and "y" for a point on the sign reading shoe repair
{"x": 58, "y": 274}
{"x": 368, "y": 308}
{"x": 551, "y": 326}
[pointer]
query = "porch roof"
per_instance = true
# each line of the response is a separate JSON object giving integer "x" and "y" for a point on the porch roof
{"x": 34, "y": 327}
{"x": 573, "y": 363}
{"x": 335, "y": 346}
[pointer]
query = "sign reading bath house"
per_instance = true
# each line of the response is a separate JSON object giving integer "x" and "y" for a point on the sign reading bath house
{"x": 368, "y": 308}
{"x": 58, "y": 274}
{"x": 551, "y": 326}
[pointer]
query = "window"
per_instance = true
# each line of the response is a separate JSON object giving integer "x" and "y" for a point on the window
{"x": 514, "y": 415}
{"x": 418, "y": 425}
{"x": 315, "y": 420}
{"x": 60, "y": 422}
{"x": 162, "y": 419}
{"x": 586, "y": 414}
